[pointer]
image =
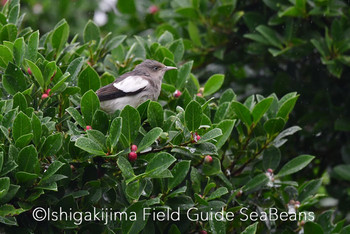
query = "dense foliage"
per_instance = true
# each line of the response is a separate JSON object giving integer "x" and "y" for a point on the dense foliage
{"x": 54, "y": 156}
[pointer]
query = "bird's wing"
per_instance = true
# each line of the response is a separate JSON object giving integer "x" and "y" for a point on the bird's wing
{"x": 127, "y": 86}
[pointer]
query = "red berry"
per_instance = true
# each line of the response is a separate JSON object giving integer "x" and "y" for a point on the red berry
{"x": 29, "y": 71}
{"x": 196, "y": 137}
{"x": 203, "y": 232}
{"x": 208, "y": 159}
{"x": 132, "y": 156}
{"x": 133, "y": 148}
{"x": 177, "y": 93}
{"x": 88, "y": 127}
{"x": 153, "y": 9}
{"x": 44, "y": 96}
{"x": 48, "y": 91}
{"x": 269, "y": 170}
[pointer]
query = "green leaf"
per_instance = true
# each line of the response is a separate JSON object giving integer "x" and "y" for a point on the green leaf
{"x": 127, "y": 7}
{"x": 97, "y": 137}
{"x": 136, "y": 224}
{"x": 60, "y": 35}
{"x": 89, "y": 104}
{"x": 21, "y": 126}
{"x": 13, "y": 14}
{"x": 88, "y": 79}
{"x": 91, "y": 33}
{"x": 24, "y": 140}
{"x": 212, "y": 168}
{"x": 218, "y": 193}
{"x": 213, "y": 84}
{"x": 28, "y": 159}
{"x": 1, "y": 160}
{"x": 115, "y": 42}
{"x": 36, "y": 73}
{"x": 155, "y": 114}
{"x": 114, "y": 132}
{"x": 20, "y": 101}
{"x": 183, "y": 74}
{"x": 53, "y": 168}
{"x": 13, "y": 81}
{"x": 74, "y": 68}
{"x": 256, "y": 182}
{"x": 179, "y": 172}
{"x": 89, "y": 146}
{"x": 271, "y": 158}
{"x": 49, "y": 70}
{"x": 4, "y": 186}
{"x": 32, "y": 48}
{"x": 193, "y": 115}
{"x": 273, "y": 126}
{"x": 308, "y": 189}
{"x": 8, "y": 33}
{"x": 177, "y": 48}
{"x": 343, "y": 171}
{"x": 226, "y": 127}
{"x": 60, "y": 82}
{"x": 159, "y": 163}
{"x": 312, "y": 227}
{"x": 149, "y": 139}
{"x": 212, "y": 134}
{"x": 5, "y": 56}
{"x": 251, "y": 229}
{"x": 135, "y": 189}
{"x": 18, "y": 50}
{"x": 270, "y": 35}
{"x": 243, "y": 113}
{"x": 130, "y": 124}
{"x": 52, "y": 144}
{"x": 194, "y": 34}
{"x": 260, "y": 109}
{"x": 100, "y": 121}
{"x": 125, "y": 168}
{"x": 76, "y": 116}
{"x": 287, "y": 107}
{"x": 295, "y": 165}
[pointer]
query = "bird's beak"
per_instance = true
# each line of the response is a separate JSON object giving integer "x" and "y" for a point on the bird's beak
{"x": 167, "y": 68}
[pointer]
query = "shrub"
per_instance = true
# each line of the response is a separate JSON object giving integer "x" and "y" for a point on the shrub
{"x": 55, "y": 157}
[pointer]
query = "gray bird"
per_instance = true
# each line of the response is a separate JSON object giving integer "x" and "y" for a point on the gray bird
{"x": 133, "y": 88}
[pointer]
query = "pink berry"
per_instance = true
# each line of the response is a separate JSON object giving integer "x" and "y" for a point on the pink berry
{"x": 177, "y": 93}
{"x": 44, "y": 96}
{"x": 88, "y": 127}
{"x": 269, "y": 170}
{"x": 198, "y": 137}
{"x": 48, "y": 91}
{"x": 199, "y": 95}
{"x": 133, "y": 148}
{"x": 153, "y": 9}
{"x": 29, "y": 71}
{"x": 208, "y": 159}
{"x": 132, "y": 156}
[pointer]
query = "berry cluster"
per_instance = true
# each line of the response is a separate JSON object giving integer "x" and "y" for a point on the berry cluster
{"x": 132, "y": 155}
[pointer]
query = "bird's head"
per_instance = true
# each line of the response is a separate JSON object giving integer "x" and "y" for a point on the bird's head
{"x": 154, "y": 68}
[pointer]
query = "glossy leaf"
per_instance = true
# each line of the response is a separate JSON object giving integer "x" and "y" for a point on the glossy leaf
{"x": 295, "y": 165}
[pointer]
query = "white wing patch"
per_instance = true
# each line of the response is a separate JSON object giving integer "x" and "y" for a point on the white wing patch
{"x": 131, "y": 84}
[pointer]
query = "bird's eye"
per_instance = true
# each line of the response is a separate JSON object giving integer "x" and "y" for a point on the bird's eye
{"x": 155, "y": 68}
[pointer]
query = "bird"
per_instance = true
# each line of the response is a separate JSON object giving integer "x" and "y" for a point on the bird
{"x": 134, "y": 87}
